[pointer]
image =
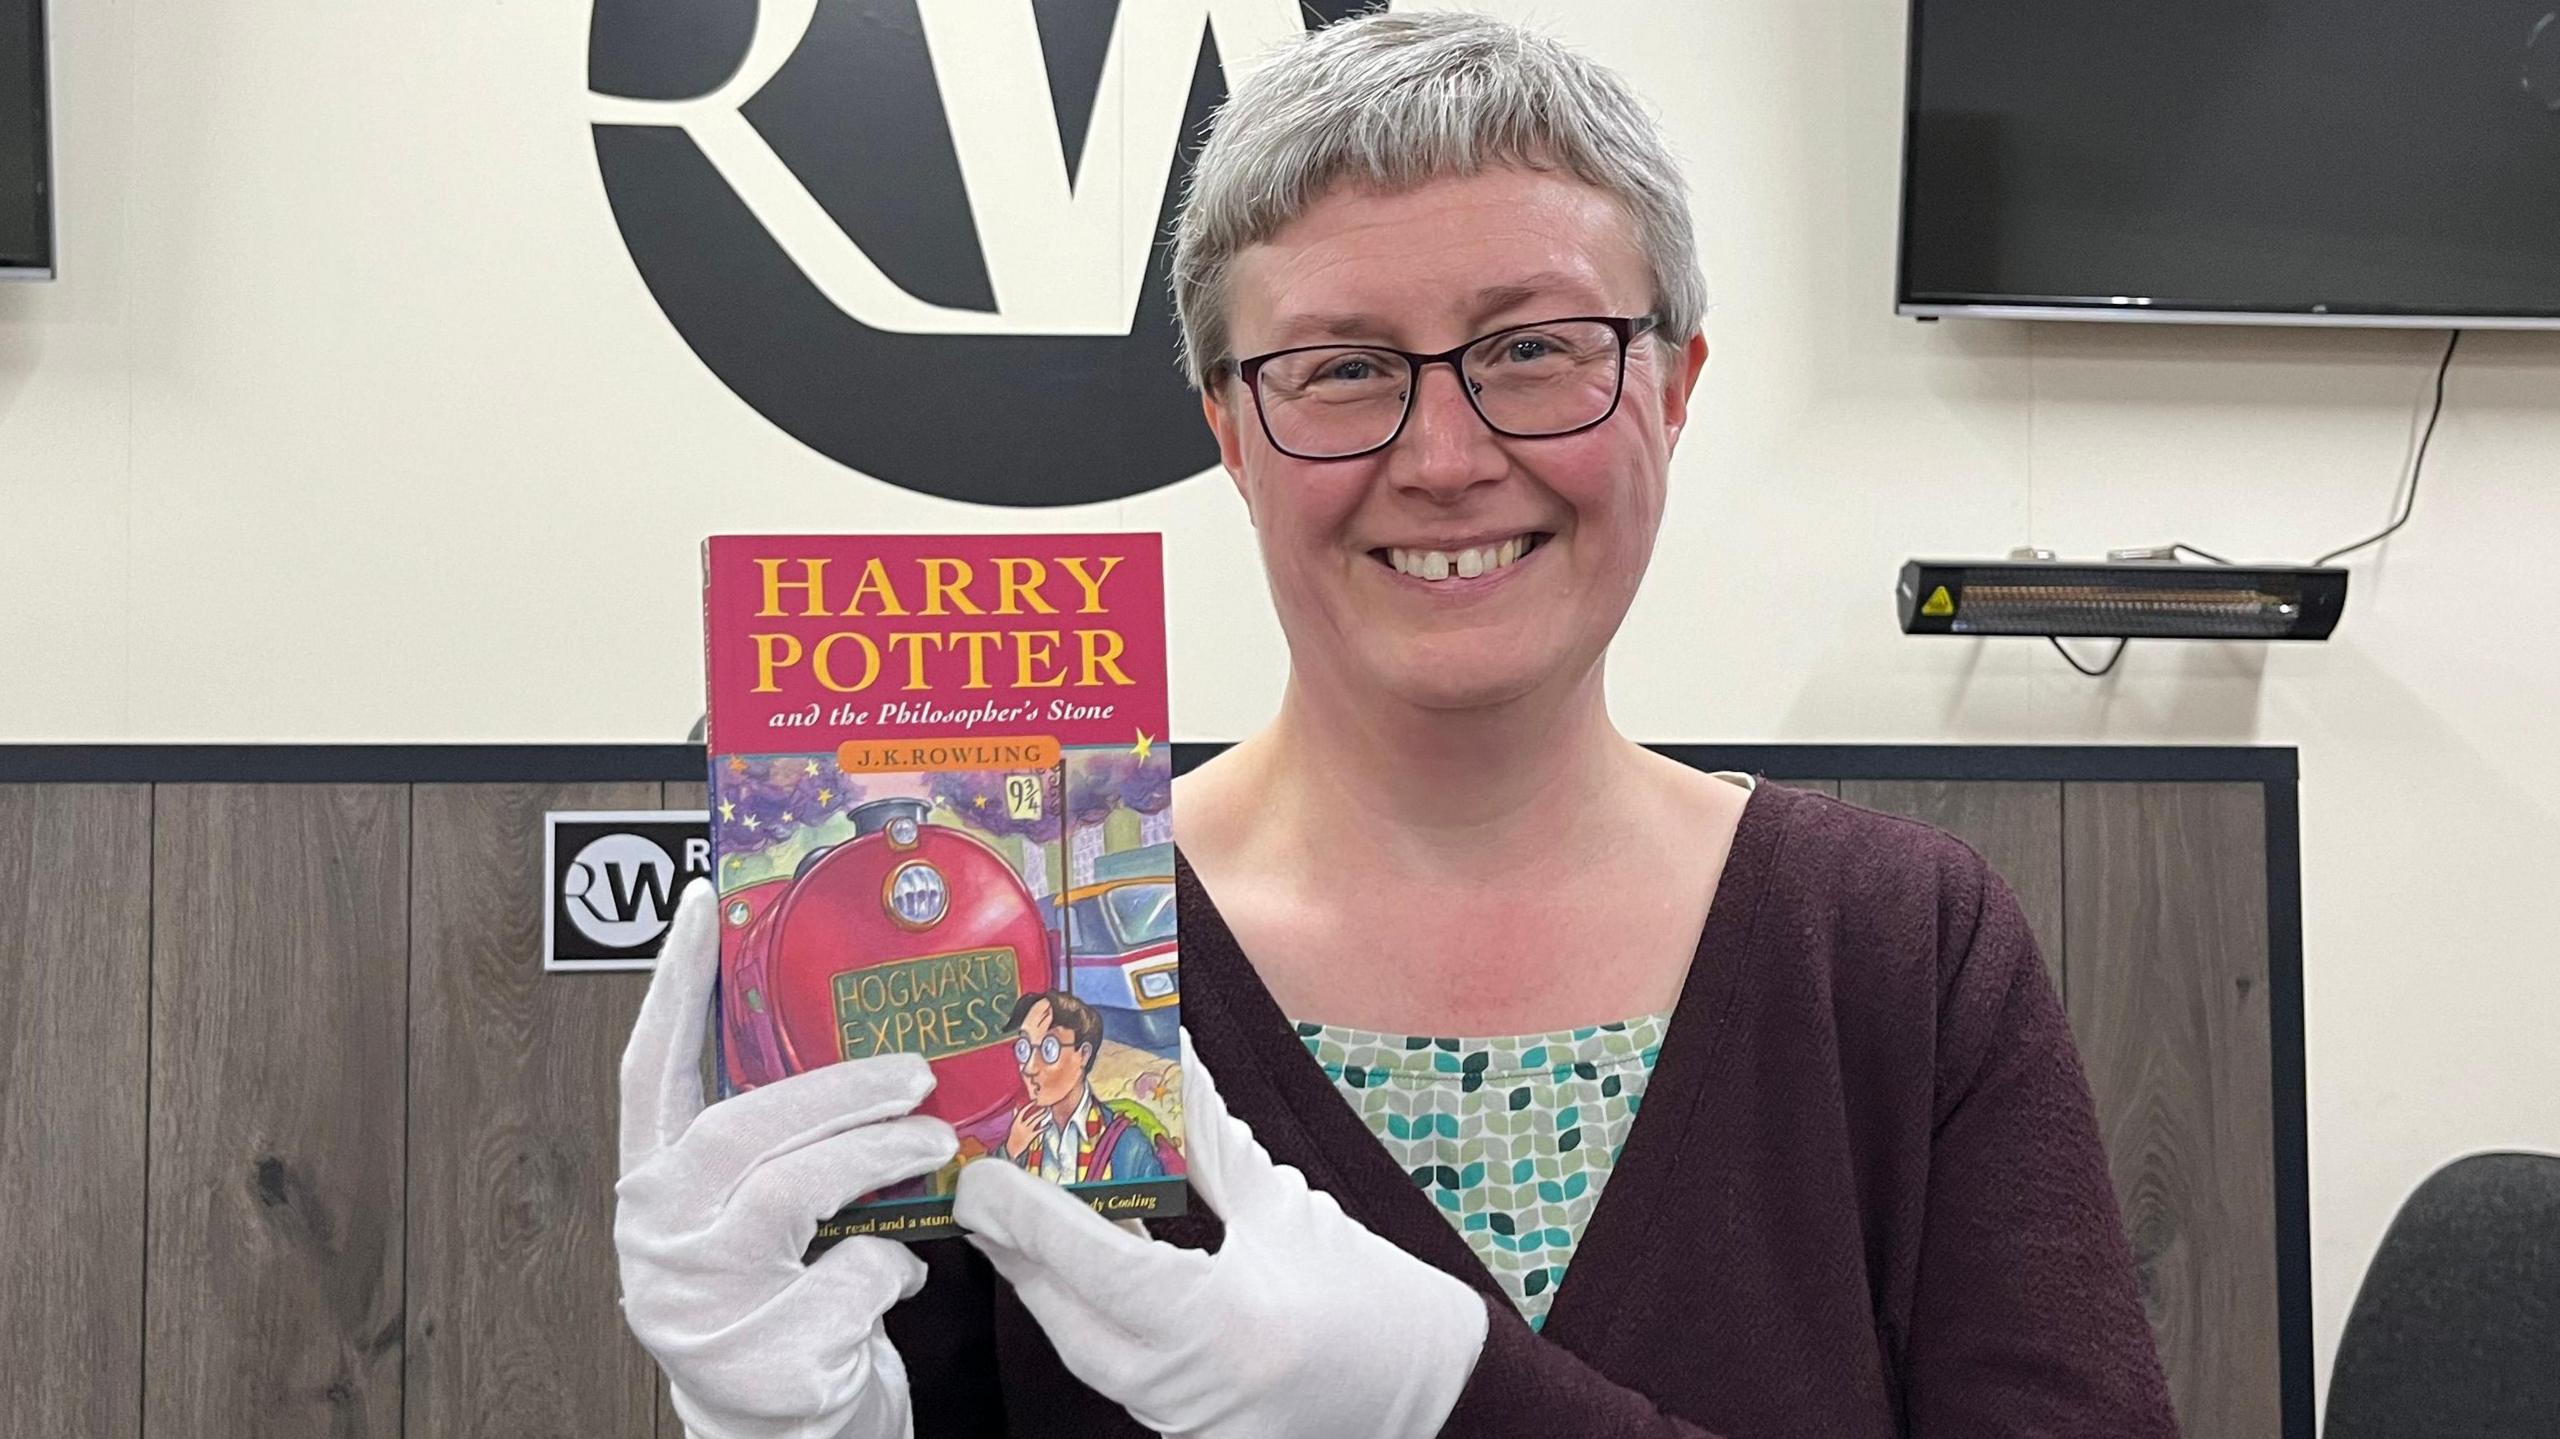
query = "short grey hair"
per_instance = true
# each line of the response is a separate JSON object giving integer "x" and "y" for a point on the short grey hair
{"x": 1395, "y": 100}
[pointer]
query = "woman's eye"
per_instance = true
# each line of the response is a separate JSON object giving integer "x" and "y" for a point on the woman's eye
{"x": 1527, "y": 349}
{"x": 1350, "y": 370}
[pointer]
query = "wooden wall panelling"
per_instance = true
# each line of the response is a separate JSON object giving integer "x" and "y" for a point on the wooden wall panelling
{"x": 75, "y": 961}
{"x": 515, "y": 1323}
{"x": 299, "y": 1059}
{"x": 2017, "y": 826}
{"x": 2166, "y": 924}
{"x": 279, "y": 959}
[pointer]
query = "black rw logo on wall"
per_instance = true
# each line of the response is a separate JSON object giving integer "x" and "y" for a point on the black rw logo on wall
{"x": 611, "y": 880}
{"x": 928, "y": 237}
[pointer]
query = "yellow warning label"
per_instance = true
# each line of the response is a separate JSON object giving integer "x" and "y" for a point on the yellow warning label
{"x": 1938, "y": 603}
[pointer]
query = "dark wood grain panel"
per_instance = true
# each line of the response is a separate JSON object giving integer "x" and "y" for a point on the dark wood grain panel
{"x": 75, "y": 960}
{"x": 514, "y": 1321}
{"x": 2017, "y": 827}
{"x": 279, "y": 958}
{"x": 2166, "y": 923}
{"x": 277, "y": 1220}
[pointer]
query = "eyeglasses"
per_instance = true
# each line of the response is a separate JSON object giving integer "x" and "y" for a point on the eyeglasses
{"x": 1531, "y": 382}
{"x": 1049, "y": 1050}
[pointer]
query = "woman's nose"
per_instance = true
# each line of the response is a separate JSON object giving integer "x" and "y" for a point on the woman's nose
{"x": 1446, "y": 446}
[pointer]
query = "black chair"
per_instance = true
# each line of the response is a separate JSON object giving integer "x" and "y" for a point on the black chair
{"x": 2455, "y": 1332}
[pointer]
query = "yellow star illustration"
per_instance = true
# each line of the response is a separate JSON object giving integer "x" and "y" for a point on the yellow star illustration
{"x": 751, "y": 821}
{"x": 826, "y": 795}
{"x": 813, "y": 766}
{"x": 737, "y": 765}
{"x": 1145, "y": 743}
{"x": 980, "y": 801}
{"x": 786, "y": 816}
{"x": 728, "y": 811}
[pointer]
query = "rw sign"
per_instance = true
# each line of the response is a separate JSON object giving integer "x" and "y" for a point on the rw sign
{"x": 929, "y": 238}
{"x": 611, "y": 882}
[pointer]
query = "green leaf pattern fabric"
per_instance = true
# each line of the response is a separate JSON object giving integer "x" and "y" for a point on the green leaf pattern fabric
{"x": 1512, "y": 1139}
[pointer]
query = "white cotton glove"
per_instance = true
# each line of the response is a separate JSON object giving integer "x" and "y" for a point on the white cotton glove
{"x": 1302, "y": 1324}
{"x": 717, "y": 1205}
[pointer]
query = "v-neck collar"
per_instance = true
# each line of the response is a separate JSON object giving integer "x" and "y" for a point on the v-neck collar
{"x": 1275, "y": 1086}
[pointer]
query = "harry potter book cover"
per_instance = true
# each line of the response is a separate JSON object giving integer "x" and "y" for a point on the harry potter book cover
{"x": 941, "y": 823}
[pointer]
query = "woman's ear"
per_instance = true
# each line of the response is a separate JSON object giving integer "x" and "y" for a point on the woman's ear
{"x": 1226, "y": 424}
{"x": 1679, "y": 381}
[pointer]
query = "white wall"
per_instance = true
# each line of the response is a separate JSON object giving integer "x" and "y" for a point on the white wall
{"x": 350, "y": 420}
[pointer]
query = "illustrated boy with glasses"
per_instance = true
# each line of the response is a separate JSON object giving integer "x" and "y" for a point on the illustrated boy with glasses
{"x": 1063, "y": 1131}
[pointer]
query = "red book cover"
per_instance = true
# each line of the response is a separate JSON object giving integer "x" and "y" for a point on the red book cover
{"x": 941, "y": 823}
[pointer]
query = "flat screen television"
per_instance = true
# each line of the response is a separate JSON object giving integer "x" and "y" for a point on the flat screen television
{"x": 26, "y": 149}
{"x": 2366, "y": 162}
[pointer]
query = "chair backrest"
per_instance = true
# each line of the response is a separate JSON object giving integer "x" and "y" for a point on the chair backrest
{"x": 2456, "y": 1328}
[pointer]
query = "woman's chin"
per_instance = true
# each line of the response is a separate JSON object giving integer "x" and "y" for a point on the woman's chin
{"x": 1446, "y": 684}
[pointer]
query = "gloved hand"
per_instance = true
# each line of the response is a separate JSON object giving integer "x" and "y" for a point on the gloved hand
{"x": 1302, "y": 1324}
{"x": 716, "y": 1207}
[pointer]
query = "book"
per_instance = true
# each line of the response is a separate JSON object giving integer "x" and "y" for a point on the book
{"x": 941, "y": 823}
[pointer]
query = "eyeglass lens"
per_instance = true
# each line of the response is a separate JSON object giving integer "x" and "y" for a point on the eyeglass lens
{"x": 1536, "y": 380}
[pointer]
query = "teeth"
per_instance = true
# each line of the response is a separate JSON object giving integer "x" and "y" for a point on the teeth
{"x": 1465, "y": 564}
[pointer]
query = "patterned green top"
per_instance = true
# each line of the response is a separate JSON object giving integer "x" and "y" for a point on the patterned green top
{"x": 1512, "y": 1138}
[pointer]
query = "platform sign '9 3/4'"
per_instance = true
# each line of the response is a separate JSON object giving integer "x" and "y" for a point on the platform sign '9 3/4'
{"x": 1022, "y": 795}
{"x": 610, "y": 883}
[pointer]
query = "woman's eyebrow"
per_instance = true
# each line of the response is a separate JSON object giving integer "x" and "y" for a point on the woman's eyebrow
{"x": 1487, "y": 302}
{"x": 1492, "y": 300}
{"x": 1349, "y": 325}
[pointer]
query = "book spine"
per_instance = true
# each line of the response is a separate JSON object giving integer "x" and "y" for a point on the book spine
{"x": 720, "y": 1086}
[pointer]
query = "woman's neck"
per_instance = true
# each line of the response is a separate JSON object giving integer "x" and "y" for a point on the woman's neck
{"x": 1405, "y": 870}
{"x": 1451, "y": 795}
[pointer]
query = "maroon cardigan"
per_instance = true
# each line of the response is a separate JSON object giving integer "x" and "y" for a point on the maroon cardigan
{"x": 1865, "y": 1195}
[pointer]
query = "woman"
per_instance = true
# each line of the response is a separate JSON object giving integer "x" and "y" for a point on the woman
{"x": 1437, "y": 288}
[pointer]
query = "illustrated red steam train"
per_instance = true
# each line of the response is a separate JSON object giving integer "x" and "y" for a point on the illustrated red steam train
{"x": 908, "y": 936}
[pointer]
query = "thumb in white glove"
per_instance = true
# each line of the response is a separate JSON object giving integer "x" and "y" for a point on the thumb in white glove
{"x": 716, "y": 1206}
{"x": 1302, "y": 1324}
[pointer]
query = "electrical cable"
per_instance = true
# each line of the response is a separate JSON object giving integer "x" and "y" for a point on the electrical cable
{"x": 2417, "y": 471}
{"x": 2417, "y": 468}
{"x": 2409, "y": 505}
{"x": 2084, "y": 669}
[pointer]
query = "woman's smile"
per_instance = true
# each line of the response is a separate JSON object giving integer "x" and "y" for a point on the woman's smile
{"x": 1465, "y": 568}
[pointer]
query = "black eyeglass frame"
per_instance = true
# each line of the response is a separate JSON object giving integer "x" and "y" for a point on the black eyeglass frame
{"x": 1626, "y": 327}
